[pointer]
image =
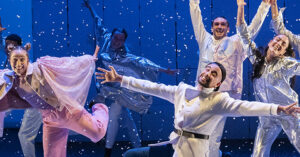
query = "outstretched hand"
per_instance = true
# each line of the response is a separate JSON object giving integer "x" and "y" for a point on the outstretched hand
{"x": 291, "y": 110}
{"x": 272, "y": 2}
{"x": 170, "y": 71}
{"x": 241, "y": 2}
{"x": 108, "y": 76}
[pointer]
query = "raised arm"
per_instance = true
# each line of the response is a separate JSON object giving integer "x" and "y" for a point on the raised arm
{"x": 197, "y": 21}
{"x": 279, "y": 28}
{"x": 243, "y": 32}
{"x": 147, "y": 87}
{"x": 99, "y": 29}
{"x": 232, "y": 107}
{"x": 1, "y": 37}
{"x": 258, "y": 19}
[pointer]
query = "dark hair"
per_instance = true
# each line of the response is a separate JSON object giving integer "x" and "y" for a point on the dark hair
{"x": 223, "y": 71}
{"x": 212, "y": 22}
{"x": 15, "y": 38}
{"x": 121, "y": 30}
{"x": 261, "y": 53}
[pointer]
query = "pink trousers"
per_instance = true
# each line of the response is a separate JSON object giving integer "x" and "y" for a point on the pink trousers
{"x": 58, "y": 123}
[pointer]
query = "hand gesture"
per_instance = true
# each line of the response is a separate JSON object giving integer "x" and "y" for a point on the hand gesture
{"x": 272, "y": 2}
{"x": 108, "y": 76}
{"x": 289, "y": 110}
{"x": 171, "y": 71}
{"x": 241, "y": 2}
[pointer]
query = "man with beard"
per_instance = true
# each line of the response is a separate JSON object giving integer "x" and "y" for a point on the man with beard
{"x": 197, "y": 109}
{"x": 218, "y": 47}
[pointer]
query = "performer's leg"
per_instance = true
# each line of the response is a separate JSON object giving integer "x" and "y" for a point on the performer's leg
{"x": 113, "y": 124}
{"x": 93, "y": 125}
{"x": 32, "y": 120}
{"x": 291, "y": 127}
{"x": 2, "y": 115}
{"x": 55, "y": 141}
{"x": 215, "y": 139}
{"x": 131, "y": 128}
{"x": 267, "y": 131}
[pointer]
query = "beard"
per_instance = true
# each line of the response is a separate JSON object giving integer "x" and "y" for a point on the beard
{"x": 206, "y": 84}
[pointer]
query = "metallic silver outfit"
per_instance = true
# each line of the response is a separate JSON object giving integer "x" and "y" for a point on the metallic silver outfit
{"x": 274, "y": 87}
{"x": 122, "y": 99}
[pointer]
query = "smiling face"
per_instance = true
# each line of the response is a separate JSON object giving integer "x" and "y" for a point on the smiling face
{"x": 211, "y": 76}
{"x": 278, "y": 46}
{"x": 220, "y": 28}
{"x": 19, "y": 61}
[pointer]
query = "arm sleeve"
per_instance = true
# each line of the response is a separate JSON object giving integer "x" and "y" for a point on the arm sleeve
{"x": 197, "y": 21}
{"x": 234, "y": 108}
{"x": 147, "y": 87}
{"x": 258, "y": 19}
{"x": 248, "y": 44}
{"x": 69, "y": 77}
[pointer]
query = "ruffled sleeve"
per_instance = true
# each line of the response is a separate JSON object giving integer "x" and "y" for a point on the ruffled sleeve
{"x": 69, "y": 78}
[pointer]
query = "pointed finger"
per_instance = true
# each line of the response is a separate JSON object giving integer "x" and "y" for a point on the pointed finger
{"x": 290, "y": 106}
{"x": 100, "y": 74}
{"x": 100, "y": 78}
{"x": 103, "y": 70}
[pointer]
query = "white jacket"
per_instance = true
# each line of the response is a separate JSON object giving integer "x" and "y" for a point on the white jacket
{"x": 199, "y": 115}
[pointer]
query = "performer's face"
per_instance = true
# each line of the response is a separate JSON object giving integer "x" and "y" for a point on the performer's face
{"x": 117, "y": 40}
{"x": 278, "y": 46}
{"x": 211, "y": 76}
{"x": 219, "y": 28}
{"x": 19, "y": 61}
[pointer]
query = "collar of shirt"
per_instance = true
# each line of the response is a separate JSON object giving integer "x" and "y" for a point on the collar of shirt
{"x": 192, "y": 93}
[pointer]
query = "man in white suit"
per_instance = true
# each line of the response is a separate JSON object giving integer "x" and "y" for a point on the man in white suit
{"x": 197, "y": 109}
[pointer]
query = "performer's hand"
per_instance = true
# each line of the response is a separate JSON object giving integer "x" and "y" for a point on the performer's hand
{"x": 289, "y": 110}
{"x": 241, "y": 2}
{"x": 109, "y": 76}
{"x": 1, "y": 28}
{"x": 170, "y": 71}
{"x": 27, "y": 46}
{"x": 272, "y": 2}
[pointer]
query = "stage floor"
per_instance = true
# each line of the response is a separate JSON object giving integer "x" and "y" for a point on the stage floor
{"x": 79, "y": 147}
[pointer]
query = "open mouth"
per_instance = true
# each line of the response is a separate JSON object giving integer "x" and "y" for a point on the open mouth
{"x": 219, "y": 30}
{"x": 276, "y": 47}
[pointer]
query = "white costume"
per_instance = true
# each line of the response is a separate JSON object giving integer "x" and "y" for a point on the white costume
{"x": 274, "y": 87}
{"x": 199, "y": 114}
{"x": 229, "y": 52}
